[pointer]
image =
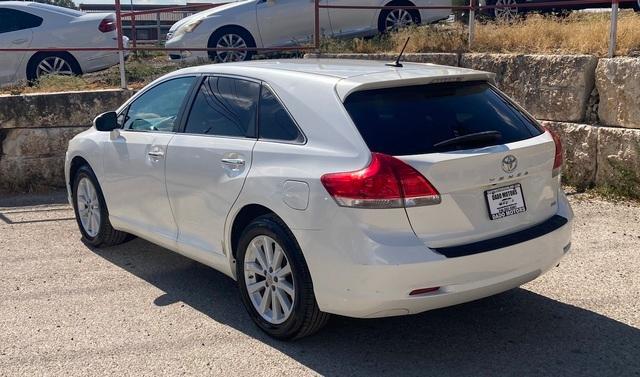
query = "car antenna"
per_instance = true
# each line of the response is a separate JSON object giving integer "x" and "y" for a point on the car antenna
{"x": 397, "y": 62}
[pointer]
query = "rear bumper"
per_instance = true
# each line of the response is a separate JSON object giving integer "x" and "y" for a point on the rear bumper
{"x": 381, "y": 287}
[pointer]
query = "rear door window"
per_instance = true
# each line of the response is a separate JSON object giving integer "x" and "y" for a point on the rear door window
{"x": 224, "y": 107}
{"x": 425, "y": 119}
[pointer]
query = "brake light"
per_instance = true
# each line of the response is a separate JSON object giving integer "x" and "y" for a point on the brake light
{"x": 386, "y": 183}
{"x": 107, "y": 24}
{"x": 558, "y": 159}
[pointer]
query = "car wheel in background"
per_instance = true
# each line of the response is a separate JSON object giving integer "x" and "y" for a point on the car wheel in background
{"x": 395, "y": 19}
{"x": 231, "y": 37}
{"x": 52, "y": 63}
{"x": 91, "y": 211}
{"x": 636, "y": 6}
{"x": 509, "y": 14}
{"x": 274, "y": 281}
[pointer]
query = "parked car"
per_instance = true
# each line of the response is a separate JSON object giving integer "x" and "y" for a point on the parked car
{"x": 280, "y": 23}
{"x": 511, "y": 10}
{"x": 328, "y": 186}
{"x": 27, "y": 25}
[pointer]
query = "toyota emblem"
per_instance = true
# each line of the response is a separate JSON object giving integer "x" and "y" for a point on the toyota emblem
{"x": 509, "y": 163}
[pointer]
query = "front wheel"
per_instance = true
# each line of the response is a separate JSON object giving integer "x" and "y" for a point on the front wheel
{"x": 507, "y": 11}
{"x": 394, "y": 19}
{"x": 237, "y": 39}
{"x": 274, "y": 281}
{"x": 91, "y": 211}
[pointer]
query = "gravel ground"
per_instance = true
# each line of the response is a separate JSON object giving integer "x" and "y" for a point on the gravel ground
{"x": 138, "y": 309}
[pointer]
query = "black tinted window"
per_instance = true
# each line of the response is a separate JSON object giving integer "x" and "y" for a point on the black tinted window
{"x": 411, "y": 120}
{"x": 224, "y": 107}
{"x": 14, "y": 20}
{"x": 157, "y": 109}
{"x": 275, "y": 122}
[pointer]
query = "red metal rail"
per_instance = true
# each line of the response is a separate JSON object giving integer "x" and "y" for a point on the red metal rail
{"x": 317, "y": 36}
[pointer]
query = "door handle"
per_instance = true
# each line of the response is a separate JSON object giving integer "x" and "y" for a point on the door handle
{"x": 233, "y": 164}
{"x": 19, "y": 41}
{"x": 233, "y": 161}
{"x": 156, "y": 154}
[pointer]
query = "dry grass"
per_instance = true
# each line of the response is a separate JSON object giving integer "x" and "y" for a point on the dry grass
{"x": 579, "y": 33}
{"x": 139, "y": 71}
{"x": 584, "y": 33}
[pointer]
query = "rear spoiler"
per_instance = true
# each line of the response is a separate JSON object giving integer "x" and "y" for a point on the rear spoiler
{"x": 411, "y": 75}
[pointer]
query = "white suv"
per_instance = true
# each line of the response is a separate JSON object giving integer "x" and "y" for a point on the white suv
{"x": 328, "y": 186}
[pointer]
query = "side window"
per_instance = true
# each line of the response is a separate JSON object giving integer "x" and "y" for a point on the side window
{"x": 224, "y": 107}
{"x": 275, "y": 122}
{"x": 158, "y": 108}
{"x": 14, "y": 20}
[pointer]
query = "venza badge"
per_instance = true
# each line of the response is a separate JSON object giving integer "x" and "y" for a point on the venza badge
{"x": 509, "y": 163}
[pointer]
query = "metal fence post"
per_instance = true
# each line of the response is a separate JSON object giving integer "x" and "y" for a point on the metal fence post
{"x": 317, "y": 26}
{"x": 613, "y": 30}
{"x": 472, "y": 23}
{"x": 158, "y": 30}
{"x": 123, "y": 78}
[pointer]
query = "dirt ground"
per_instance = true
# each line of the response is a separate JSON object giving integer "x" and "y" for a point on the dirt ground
{"x": 138, "y": 309}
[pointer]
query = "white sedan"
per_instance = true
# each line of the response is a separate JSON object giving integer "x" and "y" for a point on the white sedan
{"x": 28, "y": 25}
{"x": 281, "y": 23}
{"x": 327, "y": 186}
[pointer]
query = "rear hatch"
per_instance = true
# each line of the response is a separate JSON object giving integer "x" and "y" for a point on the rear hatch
{"x": 491, "y": 163}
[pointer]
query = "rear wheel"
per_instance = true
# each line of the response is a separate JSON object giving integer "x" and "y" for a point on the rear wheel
{"x": 394, "y": 19}
{"x": 274, "y": 281}
{"x": 52, "y": 63}
{"x": 91, "y": 211}
{"x": 235, "y": 38}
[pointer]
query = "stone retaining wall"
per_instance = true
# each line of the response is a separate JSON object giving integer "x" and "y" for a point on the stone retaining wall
{"x": 565, "y": 92}
{"x": 35, "y": 130}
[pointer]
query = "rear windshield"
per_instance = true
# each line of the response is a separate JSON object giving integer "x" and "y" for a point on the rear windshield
{"x": 435, "y": 118}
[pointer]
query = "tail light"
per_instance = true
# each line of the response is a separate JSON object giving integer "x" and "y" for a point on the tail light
{"x": 386, "y": 183}
{"x": 107, "y": 24}
{"x": 558, "y": 159}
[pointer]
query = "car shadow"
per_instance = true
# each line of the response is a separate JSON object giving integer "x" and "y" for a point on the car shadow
{"x": 516, "y": 333}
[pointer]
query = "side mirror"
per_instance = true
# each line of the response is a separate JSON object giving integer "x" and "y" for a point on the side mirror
{"x": 106, "y": 121}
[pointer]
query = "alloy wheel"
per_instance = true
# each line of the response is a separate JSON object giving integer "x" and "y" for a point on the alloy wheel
{"x": 88, "y": 207}
{"x": 231, "y": 41}
{"x": 506, "y": 14}
{"x": 397, "y": 19}
{"x": 269, "y": 280}
{"x": 53, "y": 65}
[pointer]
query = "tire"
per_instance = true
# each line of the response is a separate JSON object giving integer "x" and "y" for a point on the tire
{"x": 231, "y": 37}
{"x": 636, "y": 6}
{"x": 384, "y": 23}
{"x": 61, "y": 63}
{"x": 507, "y": 15}
{"x": 304, "y": 317}
{"x": 97, "y": 233}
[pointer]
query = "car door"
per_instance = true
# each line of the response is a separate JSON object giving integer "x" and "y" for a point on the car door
{"x": 134, "y": 162}
{"x": 353, "y": 22}
{"x": 16, "y": 31}
{"x": 289, "y": 22}
{"x": 208, "y": 162}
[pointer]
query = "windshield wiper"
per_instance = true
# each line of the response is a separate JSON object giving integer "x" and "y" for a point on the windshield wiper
{"x": 477, "y": 137}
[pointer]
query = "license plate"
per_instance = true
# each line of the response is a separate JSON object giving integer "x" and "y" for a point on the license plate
{"x": 505, "y": 201}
